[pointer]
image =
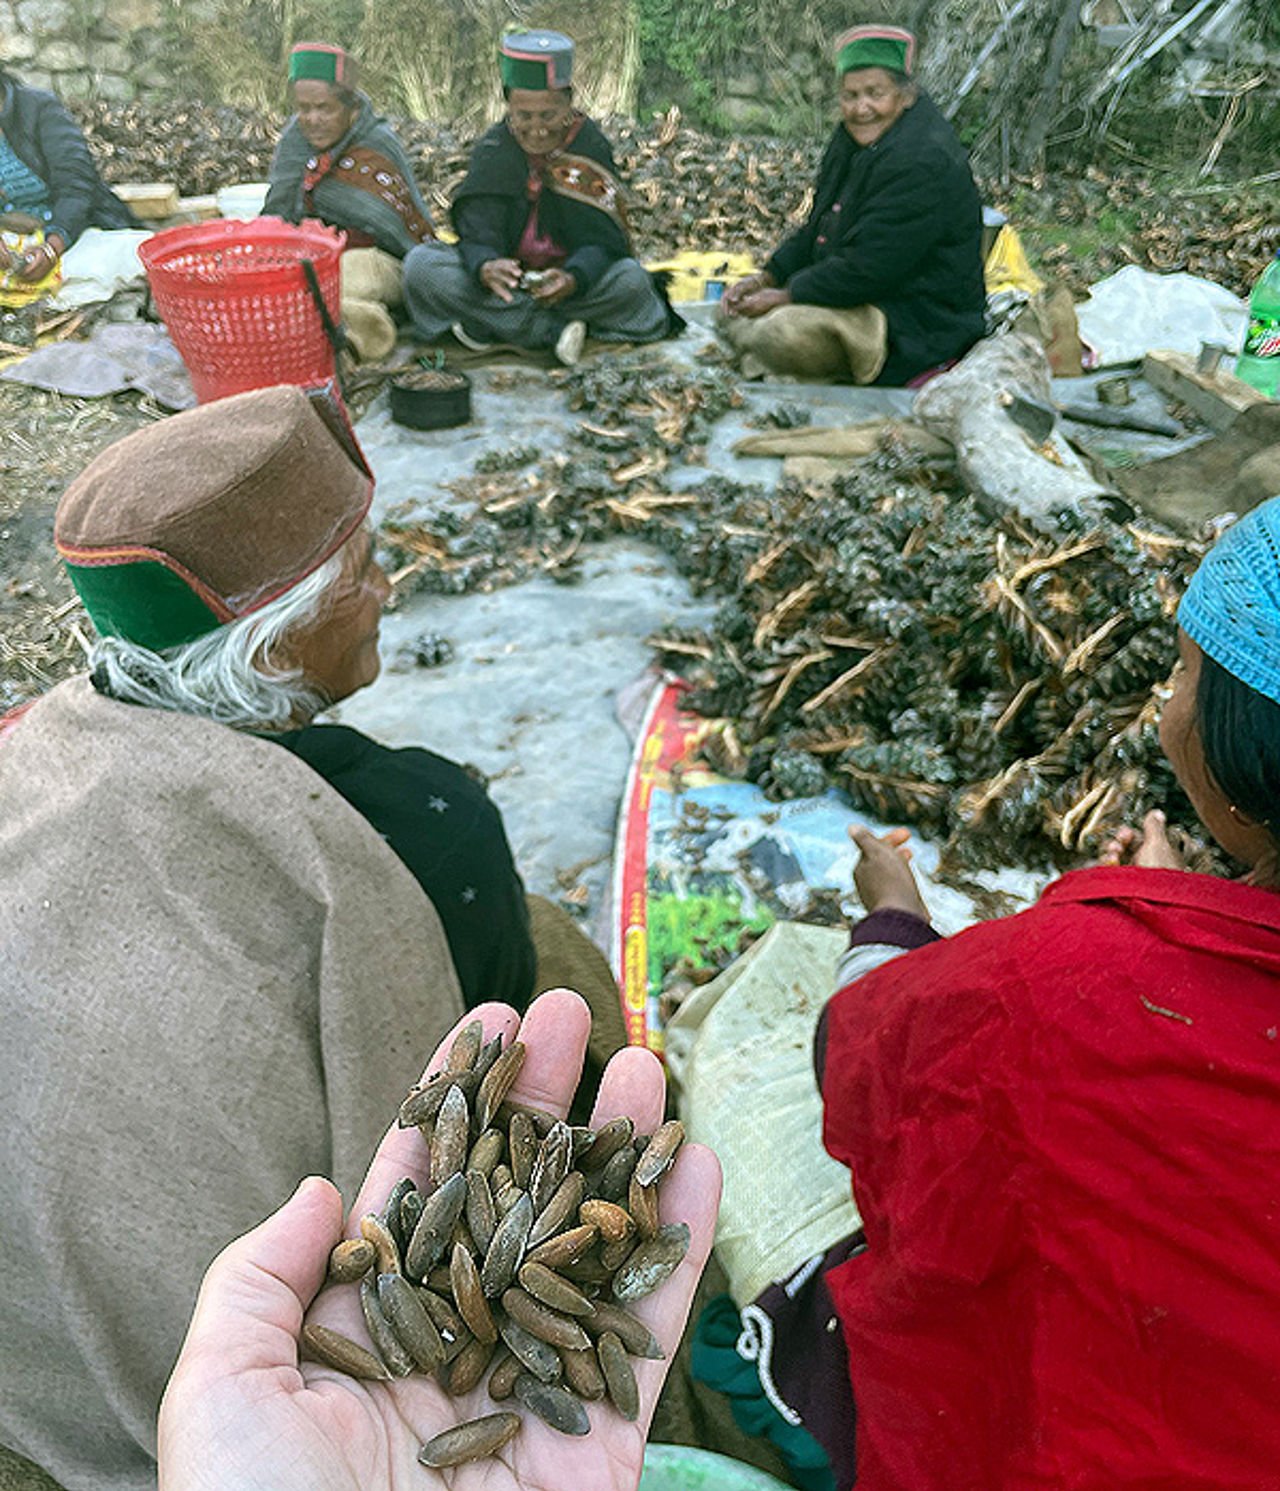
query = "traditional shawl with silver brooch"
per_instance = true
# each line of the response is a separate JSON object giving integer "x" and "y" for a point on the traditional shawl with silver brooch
{"x": 363, "y": 184}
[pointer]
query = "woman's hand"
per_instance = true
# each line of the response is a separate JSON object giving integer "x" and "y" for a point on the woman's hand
{"x": 556, "y": 285}
{"x": 761, "y": 302}
{"x": 883, "y": 876}
{"x": 1150, "y": 849}
{"x": 501, "y": 277}
{"x": 39, "y": 261}
{"x": 240, "y": 1410}
{"x": 733, "y": 297}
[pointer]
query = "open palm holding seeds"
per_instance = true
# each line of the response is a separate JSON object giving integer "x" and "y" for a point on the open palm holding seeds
{"x": 509, "y": 1279}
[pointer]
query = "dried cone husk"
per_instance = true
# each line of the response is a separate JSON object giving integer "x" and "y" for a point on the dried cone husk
{"x": 506, "y": 1266}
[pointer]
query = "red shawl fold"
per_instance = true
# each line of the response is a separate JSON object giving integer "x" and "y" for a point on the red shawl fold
{"x": 1064, "y": 1133}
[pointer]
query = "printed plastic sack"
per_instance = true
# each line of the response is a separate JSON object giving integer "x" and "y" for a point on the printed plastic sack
{"x": 740, "y": 1053}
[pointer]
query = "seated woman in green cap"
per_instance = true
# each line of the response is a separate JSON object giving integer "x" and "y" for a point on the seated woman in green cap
{"x": 544, "y": 255}
{"x": 340, "y": 162}
{"x": 884, "y": 281}
{"x": 227, "y": 933}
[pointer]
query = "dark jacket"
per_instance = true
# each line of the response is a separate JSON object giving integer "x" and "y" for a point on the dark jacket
{"x": 898, "y": 225}
{"x": 490, "y": 208}
{"x": 449, "y": 833}
{"x": 48, "y": 141}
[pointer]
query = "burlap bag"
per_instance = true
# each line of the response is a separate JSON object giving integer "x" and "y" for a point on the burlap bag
{"x": 811, "y": 341}
{"x": 372, "y": 281}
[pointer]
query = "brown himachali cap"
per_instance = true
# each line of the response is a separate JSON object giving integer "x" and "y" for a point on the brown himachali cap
{"x": 209, "y": 515}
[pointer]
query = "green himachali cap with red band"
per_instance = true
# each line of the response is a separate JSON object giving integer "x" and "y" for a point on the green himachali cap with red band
{"x": 889, "y": 47}
{"x": 324, "y": 61}
{"x": 538, "y": 60}
{"x": 209, "y": 515}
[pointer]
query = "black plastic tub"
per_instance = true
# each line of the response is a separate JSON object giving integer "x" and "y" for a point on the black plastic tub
{"x": 431, "y": 399}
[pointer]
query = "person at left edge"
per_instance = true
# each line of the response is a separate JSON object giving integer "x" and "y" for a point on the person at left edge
{"x": 48, "y": 175}
{"x": 226, "y": 933}
{"x": 340, "y": 162}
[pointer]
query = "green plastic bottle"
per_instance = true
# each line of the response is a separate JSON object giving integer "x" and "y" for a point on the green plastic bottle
{"x": 1259, "y": 360}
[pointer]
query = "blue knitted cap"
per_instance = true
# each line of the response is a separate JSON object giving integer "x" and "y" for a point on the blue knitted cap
{"x": 1231, "y": 610}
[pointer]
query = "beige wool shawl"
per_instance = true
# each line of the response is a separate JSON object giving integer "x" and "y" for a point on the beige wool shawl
{"x": 215, "y": 978}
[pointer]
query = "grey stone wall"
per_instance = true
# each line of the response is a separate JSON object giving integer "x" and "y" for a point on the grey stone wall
{"x": 110, "y": 49}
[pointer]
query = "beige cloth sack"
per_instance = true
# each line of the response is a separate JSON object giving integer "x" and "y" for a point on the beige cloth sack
{"x": 215, "y": 979}
{"x": 372, "y": 280}
{"x": 811, "y": 341}
{"x": 740, "y": 1054}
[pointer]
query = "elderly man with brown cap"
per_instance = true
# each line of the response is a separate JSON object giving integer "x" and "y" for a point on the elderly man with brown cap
{"x": 883, "y": 283}
{"x": 228, "y": 936}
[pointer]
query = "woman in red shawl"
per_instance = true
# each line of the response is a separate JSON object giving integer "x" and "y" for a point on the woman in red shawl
{"x": 1064, "y": 1135}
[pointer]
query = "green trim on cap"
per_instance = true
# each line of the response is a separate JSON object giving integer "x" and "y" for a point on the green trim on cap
{"x": 873, "y": 51}
{"x": 533, "y": 73}
{"x": 320, "y": 65}
{"x": 143, "y": 601}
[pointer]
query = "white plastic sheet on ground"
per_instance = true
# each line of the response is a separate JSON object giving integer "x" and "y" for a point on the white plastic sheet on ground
{"x": 99, "y": 263}
{"x": 1134, "y": 312}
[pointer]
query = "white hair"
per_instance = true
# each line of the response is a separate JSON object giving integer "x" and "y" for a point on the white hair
{"x": 227, "y": 675}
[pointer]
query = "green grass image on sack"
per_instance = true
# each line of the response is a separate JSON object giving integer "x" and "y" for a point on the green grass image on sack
{"x": 697, "y": 927}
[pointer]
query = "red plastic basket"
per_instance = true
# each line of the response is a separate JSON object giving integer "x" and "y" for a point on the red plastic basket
{"x": 235, "y": 299}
